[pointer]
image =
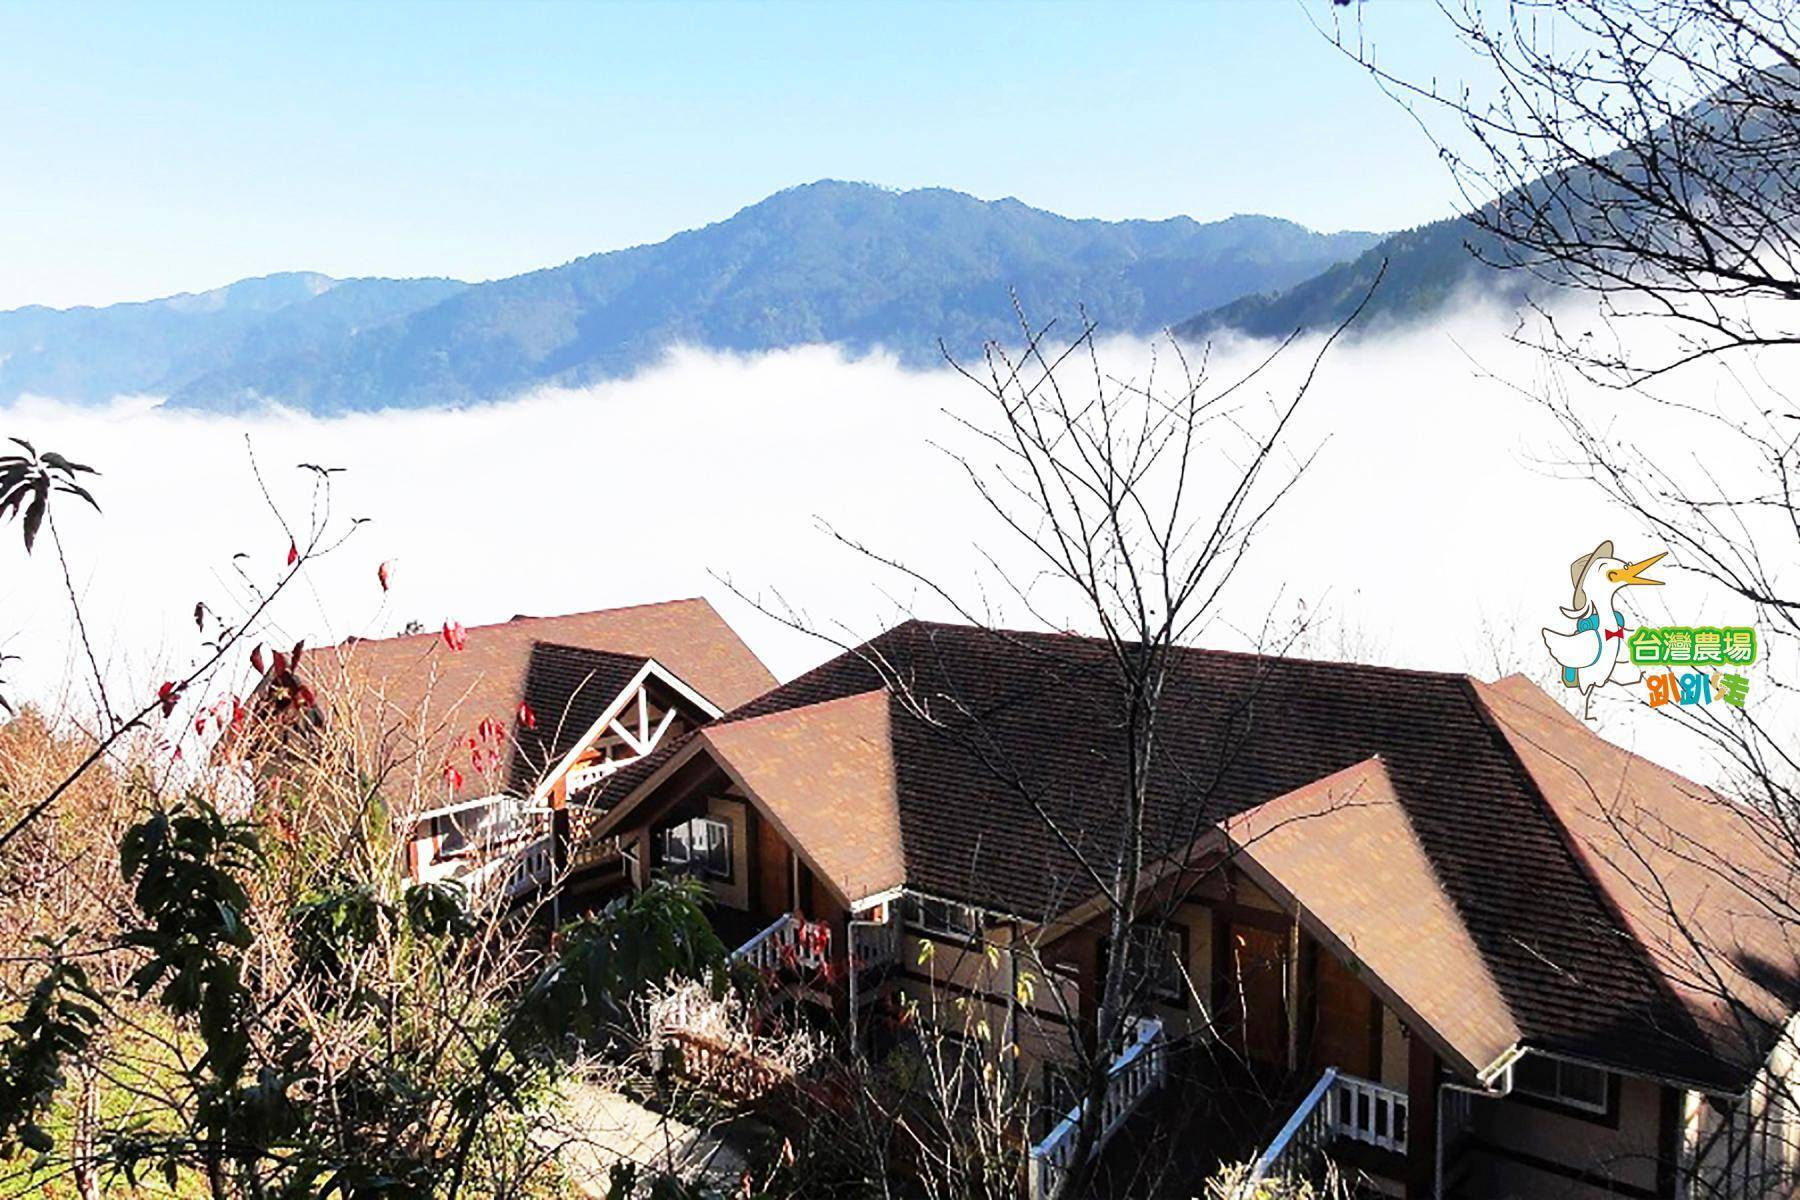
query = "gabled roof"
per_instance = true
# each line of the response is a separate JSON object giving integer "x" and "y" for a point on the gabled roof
{"x": 998, "y": 731}
{"x": 1699, "y": 881}
{"x": 824, "y": 775}
{"x": 568, "y": 688}
{"x": 424, "y": 698}
{"x": 1343, "y": 854}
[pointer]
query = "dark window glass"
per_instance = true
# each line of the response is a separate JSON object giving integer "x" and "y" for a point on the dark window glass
{"x": 1566, "y": 1083}
{"x": 1582, "y": 1085}
{"x": 1154, "y": 966}
{"x": 1535, "y": 1075}
{"x": 945, "y": 918}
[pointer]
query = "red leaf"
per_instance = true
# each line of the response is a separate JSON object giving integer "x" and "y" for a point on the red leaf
{"x": 256, "y": 659}
{"x": 455, "y": 636}
{"x": 383, "y": 574}
{"x": 166, "y": 695}
{"x": 527, "y": 718}
{"x": 199, "y": 614}
{"x": 298, "y": 647}
{"x": 281, "y": 663}
{"x": 200, "y": 723}
{"x": 293, "y": 553}
{"x": 452, "y": 776}
{"x": 305, "y": 696}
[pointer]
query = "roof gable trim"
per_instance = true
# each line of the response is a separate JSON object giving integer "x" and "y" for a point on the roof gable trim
{"x": 650, "y": 670}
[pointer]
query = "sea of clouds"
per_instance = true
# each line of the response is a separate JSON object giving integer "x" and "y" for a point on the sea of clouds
{"x": 1432, "y": 530}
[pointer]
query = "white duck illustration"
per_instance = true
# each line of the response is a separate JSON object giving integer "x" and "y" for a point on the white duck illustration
{"x": 1594, "y": 655}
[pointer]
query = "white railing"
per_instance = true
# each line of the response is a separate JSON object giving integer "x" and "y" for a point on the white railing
{"x": 873, "y": 945}
{"x": 1339, "y": 1105}
{"x": 1292, "y": 1155}
{"x": 513, "y": 871}
{"x": 1367, "y": 1112}
{"x": 790, "y": 941}
{"x": 1139, "y": 1070}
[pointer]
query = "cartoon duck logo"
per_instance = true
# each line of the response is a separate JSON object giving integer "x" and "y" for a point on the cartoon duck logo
{"x": 1594, "y": 655}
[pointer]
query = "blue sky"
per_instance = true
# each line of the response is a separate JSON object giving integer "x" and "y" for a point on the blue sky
{"x": 156, "y": 148}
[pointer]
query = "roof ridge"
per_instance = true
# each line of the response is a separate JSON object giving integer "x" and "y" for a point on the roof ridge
{"x": 570, "y": 647}
{"x": 727, "y": 721}
{"x": 521, "y": 618}
{"x": 1205, "y": 651}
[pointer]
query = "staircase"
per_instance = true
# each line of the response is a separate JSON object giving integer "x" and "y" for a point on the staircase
{"x": 1138, "y": 1071}
{"x": 1339, "y": 1107}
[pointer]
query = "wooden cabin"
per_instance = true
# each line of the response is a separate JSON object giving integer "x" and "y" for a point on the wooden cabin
{"x": 1407, "y": 900}
{"x": 497, "y": 745}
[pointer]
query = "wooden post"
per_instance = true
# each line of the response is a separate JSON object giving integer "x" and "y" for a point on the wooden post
{"x": 559, "y": 849}
{"x": 1421, "y": 1122}
{"x": 1293, "y": 996}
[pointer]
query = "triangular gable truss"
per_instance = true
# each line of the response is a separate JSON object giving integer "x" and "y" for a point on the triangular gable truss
{"x": 630, "y": 719}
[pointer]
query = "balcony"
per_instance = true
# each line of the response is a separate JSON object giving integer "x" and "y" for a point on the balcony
{"x": 1340, "y": 1107}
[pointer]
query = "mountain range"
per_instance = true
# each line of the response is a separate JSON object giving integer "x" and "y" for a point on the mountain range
{"x": 863, "y": 267}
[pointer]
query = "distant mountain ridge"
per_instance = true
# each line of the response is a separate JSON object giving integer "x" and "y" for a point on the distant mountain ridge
{"x": 849, "y": 264}
{"x": 155, "y": 346}
{"x": 1420, "y": 270}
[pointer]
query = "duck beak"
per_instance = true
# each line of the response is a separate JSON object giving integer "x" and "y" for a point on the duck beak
{"x": 1632, "y": 574}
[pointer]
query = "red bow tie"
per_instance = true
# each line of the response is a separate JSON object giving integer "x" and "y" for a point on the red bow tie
{"x": 1615, "y": 633}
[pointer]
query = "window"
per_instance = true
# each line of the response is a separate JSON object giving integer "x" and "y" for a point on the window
{"x": 1562, "y": 1082}
{"x": 1156, "y": 964}
{"x": 702, "y": 846}
{"x": 942, "y": 918}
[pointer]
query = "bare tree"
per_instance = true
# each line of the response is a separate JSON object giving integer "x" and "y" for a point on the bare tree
{"x": 1129, "y": 501}
{"x": 1638, "y": 161}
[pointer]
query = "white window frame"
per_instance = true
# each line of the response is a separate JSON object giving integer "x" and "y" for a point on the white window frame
{"x": 688, "y": 834}
{"x": 917, "y": 921}
{"x": 1556, "y": 1094}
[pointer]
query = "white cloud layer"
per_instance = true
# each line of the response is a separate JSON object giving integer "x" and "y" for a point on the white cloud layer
{"x": 1427, "y": 529}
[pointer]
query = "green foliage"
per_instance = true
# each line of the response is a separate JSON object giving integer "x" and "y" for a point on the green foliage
{"x": 57, "y": 1025}
{"x": 326, "y": 1134}
{"x": 28, "y": 480}
{"x": 186, "y": 864}
{"x": 333, "y": 925}
{"x": 439, "y": 910}
{"x": 609, "y": 959}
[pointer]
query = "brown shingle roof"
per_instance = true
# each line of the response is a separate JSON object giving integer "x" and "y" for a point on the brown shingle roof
{"x": 425, "y": 698}
{"x": 1003, "y": 727}
{"x": 1344, "y": 853}
{"x": 1699, "y": 881}
{"x": 825, "y": 774}
{"x": 568, "y": 689}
